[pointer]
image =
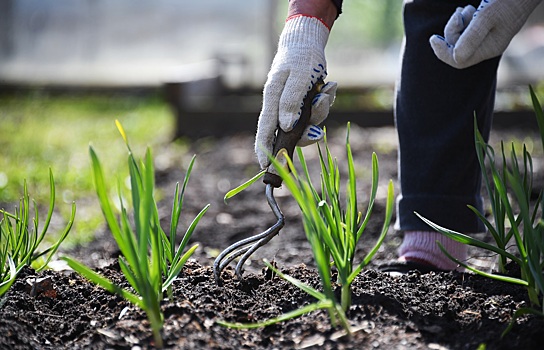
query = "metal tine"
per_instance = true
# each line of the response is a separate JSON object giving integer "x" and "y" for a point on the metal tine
{"x": 233, "y": 256}
{"x": 261, "y": 238}
{"x": 231, "y": 253}
{"x": 271, "y": 234}
{"x": 234, "y": 251}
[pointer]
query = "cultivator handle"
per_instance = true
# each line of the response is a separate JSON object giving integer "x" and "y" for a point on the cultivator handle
{"x": 286, "y": 141}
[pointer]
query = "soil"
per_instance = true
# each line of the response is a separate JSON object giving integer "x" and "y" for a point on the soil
{"x": 454, "y": 310}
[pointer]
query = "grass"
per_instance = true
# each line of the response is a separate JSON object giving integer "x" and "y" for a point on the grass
{"x": 42, "y": 131}
{"x": 149, "y": 258}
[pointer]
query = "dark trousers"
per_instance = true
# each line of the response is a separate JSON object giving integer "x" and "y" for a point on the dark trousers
{"x": 435, "y": 108}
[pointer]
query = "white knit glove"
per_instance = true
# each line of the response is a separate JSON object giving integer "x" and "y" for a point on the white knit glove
{"x": 472, "y": 36}
{"x": 298, "y": 64}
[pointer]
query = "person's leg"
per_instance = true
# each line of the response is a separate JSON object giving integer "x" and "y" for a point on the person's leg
{"x": 435, "y": 107}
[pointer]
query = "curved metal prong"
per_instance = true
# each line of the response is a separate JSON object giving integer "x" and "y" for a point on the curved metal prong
{"x": 248, "y": 246}
{"x": 273, "y": 231}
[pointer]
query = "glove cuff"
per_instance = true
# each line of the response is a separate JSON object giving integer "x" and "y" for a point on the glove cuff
{"x": 304, "y": 31}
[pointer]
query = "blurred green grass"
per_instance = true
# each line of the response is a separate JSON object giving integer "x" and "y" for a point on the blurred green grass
{"x": 41, "y": 131}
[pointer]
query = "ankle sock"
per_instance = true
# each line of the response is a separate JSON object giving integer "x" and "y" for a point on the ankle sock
{"x": 421, "y": 246}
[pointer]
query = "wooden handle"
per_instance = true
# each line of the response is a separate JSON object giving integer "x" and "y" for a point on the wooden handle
{"x": 286, "y": 141}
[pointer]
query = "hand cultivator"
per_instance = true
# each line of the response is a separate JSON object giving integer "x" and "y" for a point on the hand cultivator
{"x": 284, "y": 145}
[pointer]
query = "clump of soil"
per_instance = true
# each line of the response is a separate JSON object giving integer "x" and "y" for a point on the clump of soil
{"x": 414, "y": 311}
{"x": 60, "y": 310}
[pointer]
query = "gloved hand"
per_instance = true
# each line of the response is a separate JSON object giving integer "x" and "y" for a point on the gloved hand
{"x": 472, "y": 36}
{"x": 298, "y": 64}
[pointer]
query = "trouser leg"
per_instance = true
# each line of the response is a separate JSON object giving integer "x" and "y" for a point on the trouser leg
{"x": 435, "y": 107}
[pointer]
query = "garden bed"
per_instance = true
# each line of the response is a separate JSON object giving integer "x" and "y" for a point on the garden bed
{"x": 414, "y": 311}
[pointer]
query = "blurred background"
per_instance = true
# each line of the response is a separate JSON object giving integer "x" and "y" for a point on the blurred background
{"x": 178, "y": 69}
{"x": 146, "y": 43}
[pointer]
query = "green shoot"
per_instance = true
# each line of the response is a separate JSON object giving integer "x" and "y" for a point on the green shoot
{"x": 243, "y": 186}
{"x": 149, "y": 259}
{"x": 514, "y": 217}
{"x": 7, "y": 279}
{"x": 332, "y": 228}
{"x": 20, "y": 239}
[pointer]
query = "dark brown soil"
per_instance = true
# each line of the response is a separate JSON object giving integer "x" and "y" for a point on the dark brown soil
{"x": 414, "y": 311}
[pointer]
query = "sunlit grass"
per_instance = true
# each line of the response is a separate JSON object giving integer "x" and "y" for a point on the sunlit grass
{"x": 21, "y": 236}
{"x": 40, "y": 131}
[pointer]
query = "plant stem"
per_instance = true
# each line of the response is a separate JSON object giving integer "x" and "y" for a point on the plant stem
{"x": 155, "y": 318}
{"x": 346, "y": 296}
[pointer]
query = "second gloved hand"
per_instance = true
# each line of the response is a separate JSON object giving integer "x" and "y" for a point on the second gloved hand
{"x": 298, "y": 64}
{"x": 472, "y": 36}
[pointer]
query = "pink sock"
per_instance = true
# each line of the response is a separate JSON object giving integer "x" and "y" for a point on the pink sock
{"x": 421, "y": 245}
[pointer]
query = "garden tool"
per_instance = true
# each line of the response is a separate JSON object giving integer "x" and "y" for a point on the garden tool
{"x": 284, "y": 145}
